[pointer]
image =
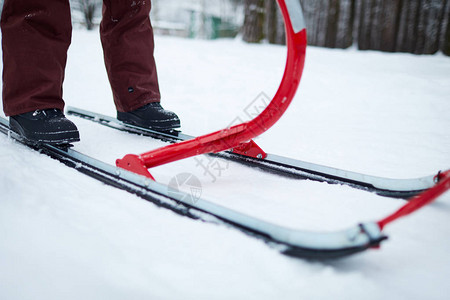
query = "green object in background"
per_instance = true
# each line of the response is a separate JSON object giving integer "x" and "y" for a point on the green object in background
{"x": 210, "y": 27}
{"x": 214, "y": 24}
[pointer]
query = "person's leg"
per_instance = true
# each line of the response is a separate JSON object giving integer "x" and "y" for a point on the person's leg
{"x": 127, "y": 39}
{"x": 35, "y": 39}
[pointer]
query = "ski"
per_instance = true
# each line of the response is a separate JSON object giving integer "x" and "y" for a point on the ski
{"x": 284, "y": 166}
{"x": 288, "y": 241}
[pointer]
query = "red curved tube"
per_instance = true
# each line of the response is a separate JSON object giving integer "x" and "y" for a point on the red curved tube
{"x": 231, "y": 137}
{"x": 417, "y": 202}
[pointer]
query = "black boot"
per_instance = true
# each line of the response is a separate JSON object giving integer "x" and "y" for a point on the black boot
{"x": 44, "y": 126}
{"x": 151, "y": 116}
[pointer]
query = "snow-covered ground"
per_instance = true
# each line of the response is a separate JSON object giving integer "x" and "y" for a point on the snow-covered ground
{"x": 64, "y": 235}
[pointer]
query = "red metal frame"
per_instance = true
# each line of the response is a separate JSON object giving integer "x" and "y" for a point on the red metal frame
{"x": 250, "y": 149}
{"x": 417, "y": 202}
{"x": 235, "y": 136}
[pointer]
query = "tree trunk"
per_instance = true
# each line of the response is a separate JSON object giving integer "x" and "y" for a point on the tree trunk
{"x": 332, "y": 23}
{"x": 344, "y": 35}
{"x": 329, "y": 23}
{"x": 378, "y": 24}
{"x": 271, "y": 21}
{"x": 274, "y": 24}
{"x": 421, "y": 25}
{"x": 445, "y": 35}
{"x": 89, "y": 13}
{"x": 253, "y": 29}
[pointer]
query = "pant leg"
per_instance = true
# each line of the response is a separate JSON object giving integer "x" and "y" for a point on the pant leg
{"x": 35, "y": 39}
{"x": 127, "y": 39}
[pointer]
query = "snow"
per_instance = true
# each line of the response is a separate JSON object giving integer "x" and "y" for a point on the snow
{"x": 64, "y": 235}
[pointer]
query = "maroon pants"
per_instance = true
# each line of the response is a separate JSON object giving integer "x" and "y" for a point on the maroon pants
{"x": 35, "y": 39}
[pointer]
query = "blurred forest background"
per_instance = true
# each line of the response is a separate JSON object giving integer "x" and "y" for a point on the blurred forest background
{"x": 414, "y": 26}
